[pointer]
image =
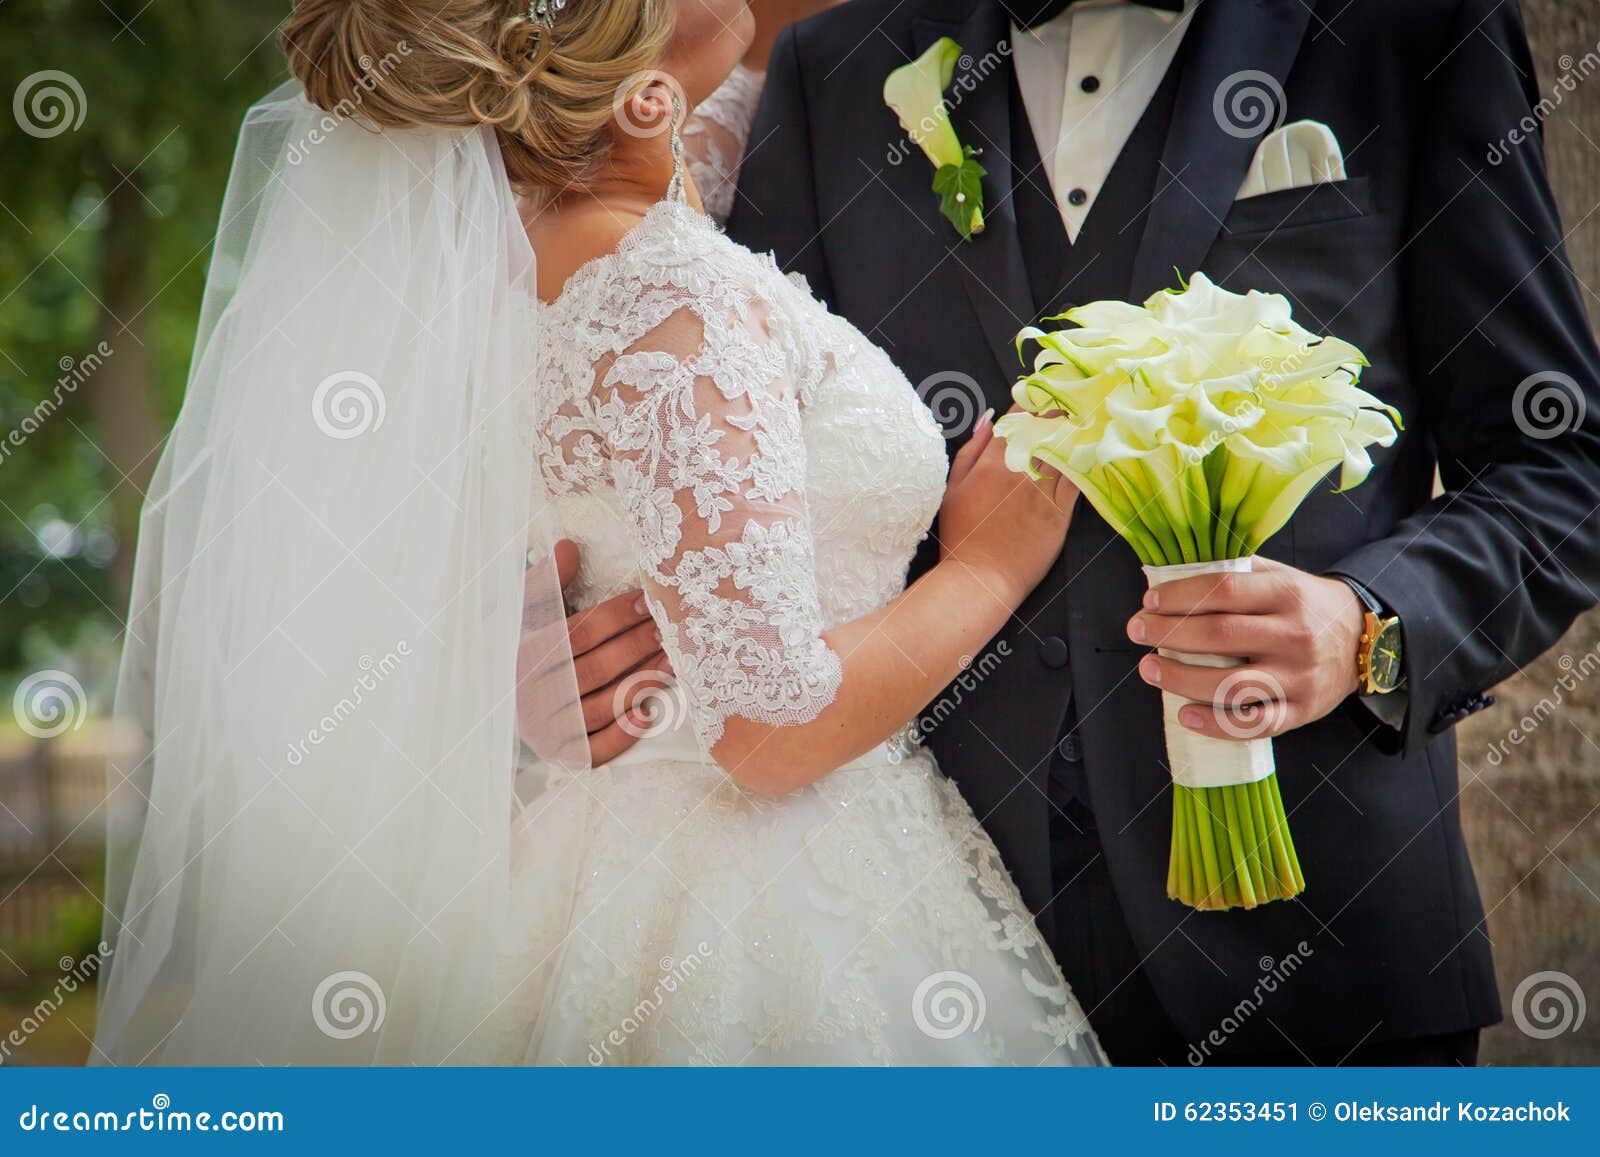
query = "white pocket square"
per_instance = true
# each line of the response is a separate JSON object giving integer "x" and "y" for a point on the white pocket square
{"x": 1292, "y": 157}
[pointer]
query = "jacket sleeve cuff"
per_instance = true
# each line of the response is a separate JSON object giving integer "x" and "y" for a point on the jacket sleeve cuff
{"x": 1388, "y": 708}
{"x": 1382, "y": 569}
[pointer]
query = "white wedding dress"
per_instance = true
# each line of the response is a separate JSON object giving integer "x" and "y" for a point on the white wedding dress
{"x": 709, "y": 432}
{"x": 714, "y": 138}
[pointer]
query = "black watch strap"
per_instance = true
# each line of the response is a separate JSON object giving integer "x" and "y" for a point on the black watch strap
{"x": 1368, "y": 599}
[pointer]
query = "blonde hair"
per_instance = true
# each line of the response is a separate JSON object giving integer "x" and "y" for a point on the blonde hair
{"x": 549, "y": 93}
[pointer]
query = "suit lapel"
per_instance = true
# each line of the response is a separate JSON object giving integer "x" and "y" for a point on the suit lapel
{"x": 992, "y": 269}
{"x": 1234, "y": 46}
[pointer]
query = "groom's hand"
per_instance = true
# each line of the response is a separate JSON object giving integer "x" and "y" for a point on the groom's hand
{"x": 616, "y": 653}
{"x": 1296, "y": 632}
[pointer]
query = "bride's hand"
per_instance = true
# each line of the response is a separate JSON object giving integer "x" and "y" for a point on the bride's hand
{"x": 1001, "y": 524}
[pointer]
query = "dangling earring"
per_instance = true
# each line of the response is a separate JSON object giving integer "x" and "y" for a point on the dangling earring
{"x": 675, "y": 191}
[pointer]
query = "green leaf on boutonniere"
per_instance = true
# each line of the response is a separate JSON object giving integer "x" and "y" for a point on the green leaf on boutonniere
{"x": 960, "y": 192}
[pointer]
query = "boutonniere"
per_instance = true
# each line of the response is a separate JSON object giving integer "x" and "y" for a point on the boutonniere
{"x": 915, "y": 92}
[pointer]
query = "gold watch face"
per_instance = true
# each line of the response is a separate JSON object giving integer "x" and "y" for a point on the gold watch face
{"x": 1385, "y": 665}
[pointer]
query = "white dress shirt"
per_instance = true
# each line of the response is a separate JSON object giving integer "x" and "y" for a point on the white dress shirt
{"x": 1086, "y": 78}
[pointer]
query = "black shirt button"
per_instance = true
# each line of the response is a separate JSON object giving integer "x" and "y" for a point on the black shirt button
{"x": 1078, "y": 198}
{"x": 1071, "y": 749}
{"x": 1053, "y": 652}
{"x": 1090, "y": 84}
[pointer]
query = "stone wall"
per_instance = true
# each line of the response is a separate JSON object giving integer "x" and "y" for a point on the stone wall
{"x": 1530, "y": 766}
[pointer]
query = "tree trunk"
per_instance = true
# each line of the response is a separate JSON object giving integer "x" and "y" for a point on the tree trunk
{"x": 1530, "y": 766}
{"x": 121, "y": 391}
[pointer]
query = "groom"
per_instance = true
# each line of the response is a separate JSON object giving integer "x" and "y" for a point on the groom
{"x": 1118, "y": 138}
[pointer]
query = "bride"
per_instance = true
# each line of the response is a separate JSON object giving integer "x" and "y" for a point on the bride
{"x": 326, "y": 845}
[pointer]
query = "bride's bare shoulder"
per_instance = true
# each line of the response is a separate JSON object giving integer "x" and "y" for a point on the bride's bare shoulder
{"x": 566, "y": 239}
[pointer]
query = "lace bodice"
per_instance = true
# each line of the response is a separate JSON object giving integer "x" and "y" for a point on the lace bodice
{"x": 715, "y": 135}
{"x": 710, "y": 432}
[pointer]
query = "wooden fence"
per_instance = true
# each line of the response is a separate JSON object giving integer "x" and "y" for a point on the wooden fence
{"x": 52, "y": 830}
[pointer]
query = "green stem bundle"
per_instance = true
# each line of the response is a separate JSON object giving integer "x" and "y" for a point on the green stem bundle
{"x": 1231, "y": 847}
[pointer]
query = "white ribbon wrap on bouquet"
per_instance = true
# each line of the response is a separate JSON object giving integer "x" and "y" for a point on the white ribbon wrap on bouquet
{"x": 1198, "y": 760}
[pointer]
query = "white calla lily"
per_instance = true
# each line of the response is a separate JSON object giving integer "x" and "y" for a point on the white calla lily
{"x": 915, "y": 93}
{"x": 1198, "y": 421}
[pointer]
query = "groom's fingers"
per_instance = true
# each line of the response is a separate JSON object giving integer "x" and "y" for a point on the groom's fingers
{"x": 592, "y": 628}
{"x": 603, "y": 707}
{"x": 1252, "y": 593}
{"x": 1233, "y": 703}
{"x": 1240, "y": 636}
{"x": 619, "y": 716}
{"x": 1227, "y": 686}
{"x": 1256, "y": 721}
{"x": 615, "y": 657}
{"x": 610, "y": 742}
{"x": 566, "y": 562}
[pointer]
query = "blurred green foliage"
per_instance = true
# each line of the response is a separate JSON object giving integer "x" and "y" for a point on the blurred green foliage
{"x": 105, "y": 231}
{"x": 73, "y": 933}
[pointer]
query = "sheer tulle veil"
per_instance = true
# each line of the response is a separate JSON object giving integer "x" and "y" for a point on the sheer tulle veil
{"x": 345, "y": 613}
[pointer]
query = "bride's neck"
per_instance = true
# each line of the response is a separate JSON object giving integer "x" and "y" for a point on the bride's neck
{"x": 635, "y": 177}
{"x": 582, "y": 224}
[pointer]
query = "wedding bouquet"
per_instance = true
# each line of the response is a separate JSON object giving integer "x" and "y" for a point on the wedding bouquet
{"x": 1195, "y": 424}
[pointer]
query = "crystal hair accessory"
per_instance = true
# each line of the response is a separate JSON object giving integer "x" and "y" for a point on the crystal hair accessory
{"x": 543, "y": 12}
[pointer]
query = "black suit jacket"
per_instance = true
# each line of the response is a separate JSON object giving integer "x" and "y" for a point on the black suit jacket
{"x": 1446, "y": 268}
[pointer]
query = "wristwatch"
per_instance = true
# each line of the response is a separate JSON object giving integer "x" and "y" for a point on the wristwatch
{"x": 1380, "y": 659}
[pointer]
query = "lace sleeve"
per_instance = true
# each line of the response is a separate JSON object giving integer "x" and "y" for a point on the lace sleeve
{"x": 715, "y": 136}
{"x": 702, "y": 421}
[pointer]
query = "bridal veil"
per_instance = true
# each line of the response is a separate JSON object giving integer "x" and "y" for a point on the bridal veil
{"x": 345, "y": 611}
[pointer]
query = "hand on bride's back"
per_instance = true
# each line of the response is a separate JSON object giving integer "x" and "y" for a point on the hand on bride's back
{"x": 1001, "y": 523}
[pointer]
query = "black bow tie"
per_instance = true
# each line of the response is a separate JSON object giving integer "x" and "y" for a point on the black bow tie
{"x": 1047, "y": 10}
